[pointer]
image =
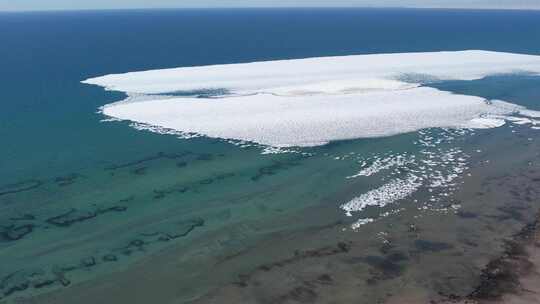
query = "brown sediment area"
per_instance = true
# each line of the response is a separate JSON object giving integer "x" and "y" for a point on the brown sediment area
{"x": 487, "y": 253}
{"x": 511, "y": 278}
{"x": 514, "y": 277}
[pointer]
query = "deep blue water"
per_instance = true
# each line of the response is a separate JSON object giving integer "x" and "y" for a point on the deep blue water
{"x": 48, "y": 120}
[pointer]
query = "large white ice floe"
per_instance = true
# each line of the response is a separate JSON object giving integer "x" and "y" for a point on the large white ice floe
{"x": 307, "y": 102}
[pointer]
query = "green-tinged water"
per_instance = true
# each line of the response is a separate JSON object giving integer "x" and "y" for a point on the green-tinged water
{"x": 96, "y": 211}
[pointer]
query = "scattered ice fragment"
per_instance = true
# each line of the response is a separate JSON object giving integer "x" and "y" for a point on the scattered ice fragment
{"x": 389, "y": 193}
{"x": 361, "y": 222}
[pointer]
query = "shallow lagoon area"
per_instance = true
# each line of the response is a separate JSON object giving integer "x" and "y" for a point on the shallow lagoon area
{"x": 222, "y": 216}
{"x": 98, "y": 211}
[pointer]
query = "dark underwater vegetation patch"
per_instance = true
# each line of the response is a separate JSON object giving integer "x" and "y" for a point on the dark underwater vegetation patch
{"x": 434, "y": 246}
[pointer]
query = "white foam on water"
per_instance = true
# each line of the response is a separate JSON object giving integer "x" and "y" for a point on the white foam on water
{"x": 310, "y": 102}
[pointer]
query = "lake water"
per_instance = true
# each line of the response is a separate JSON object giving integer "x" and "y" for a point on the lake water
{"x": 99, "y": 211}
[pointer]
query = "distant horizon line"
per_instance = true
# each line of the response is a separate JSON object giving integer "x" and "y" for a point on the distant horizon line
{"x": 269, "y": 7}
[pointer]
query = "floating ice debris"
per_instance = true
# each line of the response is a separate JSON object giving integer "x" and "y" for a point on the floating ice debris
{"x": 162, "y": 130}
{"x": 276, "y": 150}
{"x": 530, "y": 113}
{"x": 395, "y": 190}
{"x": 361, "y": 222}
{"x": 524, "y": 120}
{"x": 456, "y": 206}
{"x": 110, "y": 119}
{"x": 391, "y": 212}
{"x": 310, "y": 102}
{"x": 486, "y": 123}
{"x": 436, "y": 169}
{"x": 385, "y": 163}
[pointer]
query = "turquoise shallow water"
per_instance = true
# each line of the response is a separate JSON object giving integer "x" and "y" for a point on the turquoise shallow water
{"x": 86, "y": 206}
